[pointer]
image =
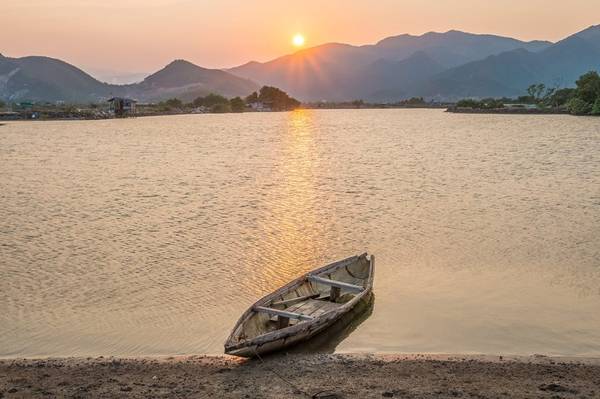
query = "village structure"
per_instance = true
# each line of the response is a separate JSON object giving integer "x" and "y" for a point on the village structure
{"x": 121, "y": 107}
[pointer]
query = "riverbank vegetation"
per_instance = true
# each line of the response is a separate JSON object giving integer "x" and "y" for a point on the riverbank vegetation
{"x": 265, "y": 100}
{"x": 584, "y": 99}
{"x": 413, "y": 102}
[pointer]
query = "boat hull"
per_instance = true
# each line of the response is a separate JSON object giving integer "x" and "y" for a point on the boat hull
{"x": 353, "y": 275}
{"x": 294, "y": 340}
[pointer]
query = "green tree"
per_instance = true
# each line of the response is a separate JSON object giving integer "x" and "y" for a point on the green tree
{"x": 220, "y": 108}
{"x": 536, "y": 91}
{"x": 596, "y": 107}
{"x": 468, "y": 103}
{"x": 252, "y": 98}
{"x": 237, "y": 104}
{"x": 214, "y": 99}
{"x": 358, "y": 103}
{"x": 210, "y": 100}
{"x": 588, "y": 87}
{"x": 561, "y": 97}
{"x": 577, "y": 106}
{"x": 491, "y": 103}
{"x": 2, "y": 104}
{"x": 173, "y": 103}
{"x": 277, "y": 99}
{"x": 415, "y": 101}
{"x": 198, "y": 102}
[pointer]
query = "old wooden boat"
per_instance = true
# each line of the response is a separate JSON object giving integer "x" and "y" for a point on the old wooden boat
{"x": 303, "y": 307}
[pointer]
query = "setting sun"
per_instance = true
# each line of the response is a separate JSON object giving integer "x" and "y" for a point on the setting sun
{"x": 298, "y": 40}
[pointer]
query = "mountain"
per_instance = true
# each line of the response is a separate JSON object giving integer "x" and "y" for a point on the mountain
{"x": 443, "y": 66}
{"x": 324, "y": 72}
{"x": 187, "y": 81}
{"x": 510, "y": 73}
{"x": 506, "y": 74}
{"x": 591, "y": 34}
{"x": 454, "y": 47}
{"x": 315, "y": 73}
{"x": 386, "y": 80}
{"x": 48, "y": 79}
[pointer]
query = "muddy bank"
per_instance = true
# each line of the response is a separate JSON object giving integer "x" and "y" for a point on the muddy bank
{"x": 341, "y": 376}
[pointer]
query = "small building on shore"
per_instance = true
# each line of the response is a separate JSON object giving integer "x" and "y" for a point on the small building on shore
{"x": 121, "y": 106}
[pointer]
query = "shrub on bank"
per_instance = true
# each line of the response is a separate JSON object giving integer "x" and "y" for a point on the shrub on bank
{"x": 486, "y": 103}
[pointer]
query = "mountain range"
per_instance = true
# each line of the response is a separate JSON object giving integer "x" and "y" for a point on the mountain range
{"x": 441, "y": 66}
{"x": 49, "y": 79}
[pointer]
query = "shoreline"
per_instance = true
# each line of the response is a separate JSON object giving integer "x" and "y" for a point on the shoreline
{"x": 304, "y": 375}
{"x": 62, "y": 117}
{"x": 509, "y": 111}
{"x": 452, "y": 110}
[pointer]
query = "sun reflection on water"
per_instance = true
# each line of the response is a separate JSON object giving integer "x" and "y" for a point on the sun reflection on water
{"x": 293, "y": 226}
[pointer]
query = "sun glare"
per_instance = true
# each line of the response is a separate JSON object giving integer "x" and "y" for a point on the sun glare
{"x": 298, "y": 40}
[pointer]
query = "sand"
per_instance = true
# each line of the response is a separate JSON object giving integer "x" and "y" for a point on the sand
{"x": 316, "y": 375}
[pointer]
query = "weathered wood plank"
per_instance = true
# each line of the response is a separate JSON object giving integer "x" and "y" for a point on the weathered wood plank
{"x": 314, "y": 307}
{"x": 311, "y": 306}
{"x": 292, "y": 301}
{"x": 335, "y": 283}
{"x": 282, "y": 313}
{"x": 328, "y": 306}
{"x": 296, "y": 307}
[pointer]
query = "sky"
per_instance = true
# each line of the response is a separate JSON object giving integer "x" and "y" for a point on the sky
{"x": 144, "y": 35}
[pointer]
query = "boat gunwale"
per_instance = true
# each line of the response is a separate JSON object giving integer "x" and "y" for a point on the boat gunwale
{"x": 305, "y": 325}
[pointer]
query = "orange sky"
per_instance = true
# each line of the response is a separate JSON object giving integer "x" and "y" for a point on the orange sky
{"x": 144, "y": 35}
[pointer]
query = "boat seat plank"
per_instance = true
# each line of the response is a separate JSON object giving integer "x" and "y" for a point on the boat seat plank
{"x": 282, "y": 313}
{"x": 335, "y": 283}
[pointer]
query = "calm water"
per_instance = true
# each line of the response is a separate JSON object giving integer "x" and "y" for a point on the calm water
{"x": 150, "y": 236}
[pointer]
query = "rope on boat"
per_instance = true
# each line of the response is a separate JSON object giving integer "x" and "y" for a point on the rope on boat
{"x": 318, "y": 395}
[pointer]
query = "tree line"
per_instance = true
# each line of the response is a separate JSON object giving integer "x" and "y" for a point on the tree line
{"x": 267, "y": 98}
{"x": 583, "y": 99}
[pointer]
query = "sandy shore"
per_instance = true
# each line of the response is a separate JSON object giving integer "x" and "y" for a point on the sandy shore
{"x": 318, "y": 375}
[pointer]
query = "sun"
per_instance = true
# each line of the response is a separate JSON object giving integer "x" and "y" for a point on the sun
{"x": 298, "y": 40}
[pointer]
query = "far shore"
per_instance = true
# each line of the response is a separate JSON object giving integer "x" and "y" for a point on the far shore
{"x": 64, "y": 116}
{"x": 304, "y": 376}
{"x": 450, "y": 109}
{"x": 510, "y": 111}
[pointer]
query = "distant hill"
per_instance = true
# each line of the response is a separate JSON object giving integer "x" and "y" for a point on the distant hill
{"x": 509, "y": 73}
{"x": 327, "y": 71}
{"x": 311, "y": 74}
{"x": 385, "y": 80}
{"x": 454, "y": 47}
{"x": 187, "y": 81}
{"x": 48, "y": 79}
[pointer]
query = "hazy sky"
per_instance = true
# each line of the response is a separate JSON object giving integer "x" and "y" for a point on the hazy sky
{"x": 144, "y": 35}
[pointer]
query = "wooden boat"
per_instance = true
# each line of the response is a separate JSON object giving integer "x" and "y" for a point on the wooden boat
{"x": 303, "y": 307}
